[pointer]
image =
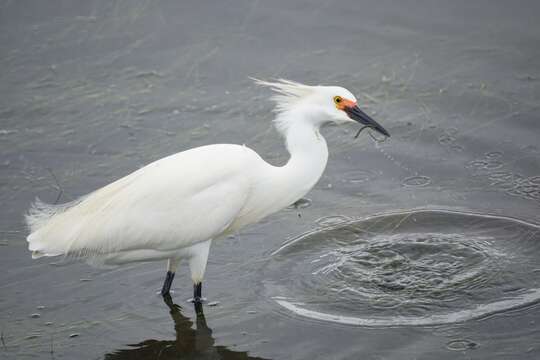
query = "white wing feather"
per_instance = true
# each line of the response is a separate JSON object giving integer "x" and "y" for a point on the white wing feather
{"x": 170, "y": 204}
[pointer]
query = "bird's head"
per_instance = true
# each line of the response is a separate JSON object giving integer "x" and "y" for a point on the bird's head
{"x": 321, "y": 104}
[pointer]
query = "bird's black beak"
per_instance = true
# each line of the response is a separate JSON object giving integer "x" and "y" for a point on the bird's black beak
{"x": 356, "y": 114}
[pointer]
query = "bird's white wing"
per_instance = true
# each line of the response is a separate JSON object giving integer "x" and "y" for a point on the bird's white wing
{"x": 172, "y": 203}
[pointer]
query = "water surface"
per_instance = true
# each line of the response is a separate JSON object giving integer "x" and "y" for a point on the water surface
{"x": 92, "y": 90}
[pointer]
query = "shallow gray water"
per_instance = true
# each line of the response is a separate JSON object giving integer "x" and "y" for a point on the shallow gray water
{"x": 92, "y": 90}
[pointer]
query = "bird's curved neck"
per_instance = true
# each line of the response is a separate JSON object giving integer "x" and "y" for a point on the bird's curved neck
{"x": 308, "y": 157}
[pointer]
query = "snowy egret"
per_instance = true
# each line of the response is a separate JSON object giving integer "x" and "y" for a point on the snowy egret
{"x": 173, "y": 208}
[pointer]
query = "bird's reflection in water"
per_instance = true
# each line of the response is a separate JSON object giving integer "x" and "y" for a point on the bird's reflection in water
{"x": 190, "y": 343}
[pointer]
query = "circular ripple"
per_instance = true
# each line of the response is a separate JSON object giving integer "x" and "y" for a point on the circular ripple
{"x": 461, "y": 345}
{"x": 359, "y": 176}
{"x": 418, "y": 180}
{"x": 300, "y": 204}
{"x": 414, "y": 268}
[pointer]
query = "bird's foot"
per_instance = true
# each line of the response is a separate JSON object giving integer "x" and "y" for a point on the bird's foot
{"x": 198, "y": 300}
{"x": 197, "y": 294}
{"x": 161, "y": 293}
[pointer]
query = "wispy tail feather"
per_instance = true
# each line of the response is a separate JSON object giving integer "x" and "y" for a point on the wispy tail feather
{"x": 40, "y": 213}
{"x": 38, "y": 216}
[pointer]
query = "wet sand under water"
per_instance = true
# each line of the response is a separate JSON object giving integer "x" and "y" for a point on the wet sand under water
{"x": 92, "y": 91}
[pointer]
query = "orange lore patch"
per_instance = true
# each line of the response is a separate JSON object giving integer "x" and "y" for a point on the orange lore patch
{"x": 344, "y": 103}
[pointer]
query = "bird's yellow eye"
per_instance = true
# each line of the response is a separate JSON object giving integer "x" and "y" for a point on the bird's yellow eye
{"x": 338, "y": 99}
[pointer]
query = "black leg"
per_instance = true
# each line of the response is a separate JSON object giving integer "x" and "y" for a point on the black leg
{"x": 167, "y": 284}
{"x": 197, "y": 289}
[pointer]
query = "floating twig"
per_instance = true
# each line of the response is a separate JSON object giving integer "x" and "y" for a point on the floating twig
{"x": 52, "y": 347}
{"x": 2, "y": 340}
{"x": 370, "y": 134}
{"x": 58, "y": 187}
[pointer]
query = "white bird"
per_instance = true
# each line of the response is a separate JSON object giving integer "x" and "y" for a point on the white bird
{"x": 174, "y": 208}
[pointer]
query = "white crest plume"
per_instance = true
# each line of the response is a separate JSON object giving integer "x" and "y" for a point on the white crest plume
{"x": 288, "y": 92}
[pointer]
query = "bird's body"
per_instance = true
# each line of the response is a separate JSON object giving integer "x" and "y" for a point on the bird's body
{"x": 175, "y": 207}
